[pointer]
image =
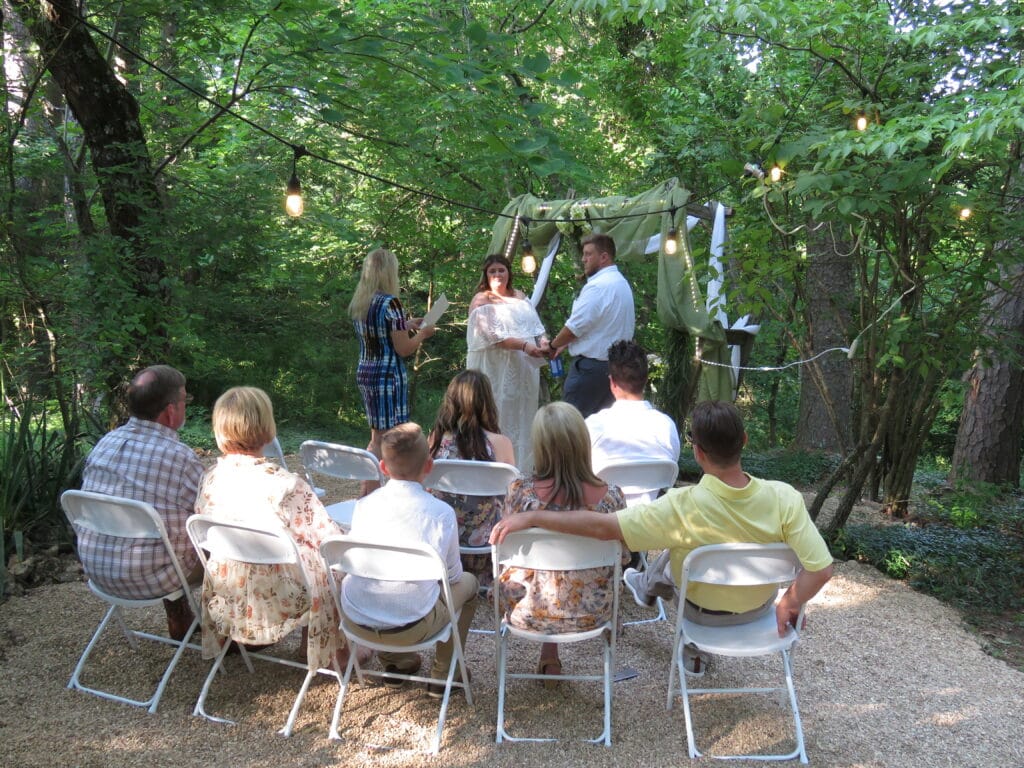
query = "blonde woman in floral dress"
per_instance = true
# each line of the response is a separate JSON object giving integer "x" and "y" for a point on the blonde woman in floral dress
{"x": 559, "y": 601}
{"x": 261, "y": 604}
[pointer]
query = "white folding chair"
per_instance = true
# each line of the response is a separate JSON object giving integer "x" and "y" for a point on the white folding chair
{"x": 126, "y": 519}
{"x": 737, "y": 565}
{"x": 216, "y": 540}
{"x": 471, "y": 478}
{"x": 273, "y": 450}
{"x": 387, "y": 562}
{"x": 549, "y": 551}
{"x": 640, "y": 481}
{"x": 342, "y": 462}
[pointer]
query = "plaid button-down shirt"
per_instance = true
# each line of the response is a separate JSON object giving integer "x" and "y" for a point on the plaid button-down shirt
{"x": 144, "y": 461}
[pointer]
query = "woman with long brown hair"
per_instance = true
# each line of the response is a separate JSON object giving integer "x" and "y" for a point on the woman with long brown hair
{"x": 467, "y": 428}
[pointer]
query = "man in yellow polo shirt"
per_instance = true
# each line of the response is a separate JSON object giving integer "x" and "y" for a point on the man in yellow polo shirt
{"x": 727, "y": 505}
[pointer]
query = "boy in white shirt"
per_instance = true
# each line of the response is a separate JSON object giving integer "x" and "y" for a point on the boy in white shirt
{"x": 402, "y": 511}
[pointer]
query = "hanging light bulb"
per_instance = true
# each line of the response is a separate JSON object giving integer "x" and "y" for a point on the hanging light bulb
{"x": 965, "y": 213}
{"x": 672, "y": 237}
{"x": 672, "y": 241}
{"x": 293, "y": 204}
{"x": 862, "y": 122}
{"x": 776, "y": 173}
{"x": 529, "y": 263}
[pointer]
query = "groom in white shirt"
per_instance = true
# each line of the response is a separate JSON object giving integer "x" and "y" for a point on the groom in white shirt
{"x": 602, "y": 314}
{"x": 403, "y": 612}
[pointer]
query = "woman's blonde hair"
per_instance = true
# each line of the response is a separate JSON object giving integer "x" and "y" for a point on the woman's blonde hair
{"x": 380, "y": 274}
{"x": 561, "y": 451}
{"x": 243, "y": 420}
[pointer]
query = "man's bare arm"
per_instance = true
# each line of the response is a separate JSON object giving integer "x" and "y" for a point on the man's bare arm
{"x": 805, "y": 587}
{"x": 564, "y": 338}
{"x": 581, "y": 522}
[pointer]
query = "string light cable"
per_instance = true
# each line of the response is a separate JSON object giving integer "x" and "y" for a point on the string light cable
{"x": 850, "y": 350}
{"x": 345, "y": 166}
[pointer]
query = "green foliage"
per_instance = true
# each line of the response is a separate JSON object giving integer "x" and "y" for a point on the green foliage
{"x": 796, "y": 467}
{"x": 37, "y": 463}
{"x": 965, "y": 547}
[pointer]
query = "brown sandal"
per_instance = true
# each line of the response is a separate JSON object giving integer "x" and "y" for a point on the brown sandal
{"x": 551, "y": 667}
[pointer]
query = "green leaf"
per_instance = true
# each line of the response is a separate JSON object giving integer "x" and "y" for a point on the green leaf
{"x": 530, "y": 145}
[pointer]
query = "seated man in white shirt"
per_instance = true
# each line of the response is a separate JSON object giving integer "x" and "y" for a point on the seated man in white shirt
{"x": 402, "y": 511}
{"x": 631, "y": 428}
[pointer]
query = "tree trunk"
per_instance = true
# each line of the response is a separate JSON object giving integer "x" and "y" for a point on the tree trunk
{"x": 109, "y": 117}
{"x": 988, "y": 442}
{"x": 826, "y": 385}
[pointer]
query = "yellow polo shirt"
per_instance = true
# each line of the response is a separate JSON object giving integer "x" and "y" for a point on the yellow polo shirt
{"x": 711, "y": 512}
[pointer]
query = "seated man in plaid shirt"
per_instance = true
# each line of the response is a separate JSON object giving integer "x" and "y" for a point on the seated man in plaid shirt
{"x": 144, "y": 460}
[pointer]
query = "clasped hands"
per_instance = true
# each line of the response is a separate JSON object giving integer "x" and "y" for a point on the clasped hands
{"x": 539, "y": 349}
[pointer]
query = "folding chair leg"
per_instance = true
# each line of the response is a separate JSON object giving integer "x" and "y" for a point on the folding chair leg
{"x": 606, "y": 737}
{"x": 797, "y": 725}
{"x": 343, "y": 683}
{"x": 131, "y": 636}
{"x": 287, "y": 730}
{"x": 200, "y": 708}
{"x": 74, "y": 681}
{"x": 500, "y": 734}
{"x": 174, "y": 663}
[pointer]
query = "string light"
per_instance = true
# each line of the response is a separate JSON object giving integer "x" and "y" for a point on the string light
{"x": 293, "y": 204}
{"x": 672, "y": 240}
{"x": 776, "y": 173}
{"x": 529, "y": 262}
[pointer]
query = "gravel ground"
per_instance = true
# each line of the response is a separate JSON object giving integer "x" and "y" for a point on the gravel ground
{"x": 885, "y": 677}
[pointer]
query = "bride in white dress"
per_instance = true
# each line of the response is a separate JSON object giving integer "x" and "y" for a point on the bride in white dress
{"x": 507, "y": 342}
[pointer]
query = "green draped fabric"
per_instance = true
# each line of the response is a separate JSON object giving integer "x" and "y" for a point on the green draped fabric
{"x": 681, "y": 304}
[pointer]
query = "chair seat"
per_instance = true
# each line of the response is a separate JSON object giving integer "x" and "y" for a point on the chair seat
{"x": 342, "y": 513}
{"x": 754, "y": 639}
{"x": 566, "y": 637}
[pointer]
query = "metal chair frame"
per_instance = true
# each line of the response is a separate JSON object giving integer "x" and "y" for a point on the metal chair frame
{"x": 215, "y": 539}
{"x": 737, "y": 564}
{"x": 385, "y": 562}
{"x": 546, "y": 550}
{"x": 128, "y": 519}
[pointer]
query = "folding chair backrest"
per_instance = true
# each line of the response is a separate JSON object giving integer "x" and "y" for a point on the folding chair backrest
{"x": 471, "y": 478}
{"x": 640, "y": 477}
{"x": 741, "y": 565}
{"x": 383, "y": 562}
{"x": 340, "y": 461}
{"x": 273, "y": 450}
{"x": 231, "y": 541}
{"x": 112, "y": 515}
{"x": 540, "y": 549}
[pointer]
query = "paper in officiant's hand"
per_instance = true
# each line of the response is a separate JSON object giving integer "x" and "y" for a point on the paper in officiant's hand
{"x": 431, "y": 318}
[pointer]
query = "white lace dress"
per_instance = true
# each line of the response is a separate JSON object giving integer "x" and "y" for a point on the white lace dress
{"x": 514, "y": 375}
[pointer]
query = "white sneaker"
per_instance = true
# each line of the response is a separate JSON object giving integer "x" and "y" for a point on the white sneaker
{"x": 631, "y": 578}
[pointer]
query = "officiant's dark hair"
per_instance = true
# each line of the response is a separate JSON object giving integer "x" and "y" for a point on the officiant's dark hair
{"x": 494, "y": 258}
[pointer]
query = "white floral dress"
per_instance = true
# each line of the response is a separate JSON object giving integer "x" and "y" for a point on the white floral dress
{"x": 261, "y": 604}
{"x": 556, "y": 601}
{"x": 514, "y": 375}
